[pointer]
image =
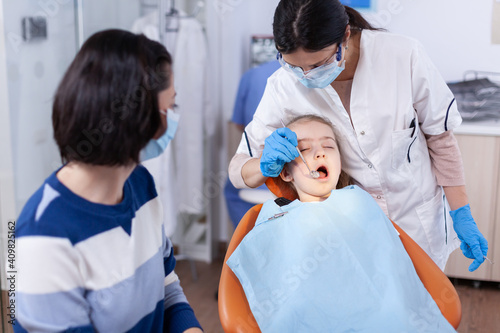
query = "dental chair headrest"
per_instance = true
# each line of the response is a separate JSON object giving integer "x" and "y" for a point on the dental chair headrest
{"x": 280, "y": 188}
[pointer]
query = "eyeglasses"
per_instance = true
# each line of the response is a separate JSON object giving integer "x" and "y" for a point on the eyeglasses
{"x": 331, "y": 62}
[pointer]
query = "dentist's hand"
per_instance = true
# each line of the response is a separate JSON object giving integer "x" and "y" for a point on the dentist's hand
{"x": 279, "y": 148}
{"x": 474, "y": 245}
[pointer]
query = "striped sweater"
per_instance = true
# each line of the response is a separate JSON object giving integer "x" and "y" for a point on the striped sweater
{"x": 90, "y": 267}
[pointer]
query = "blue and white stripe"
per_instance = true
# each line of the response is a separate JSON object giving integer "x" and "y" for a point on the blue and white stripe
{"x": 96, "y": 267}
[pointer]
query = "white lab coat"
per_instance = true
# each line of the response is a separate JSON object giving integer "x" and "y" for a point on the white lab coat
{"x": 179, "y": 172}
{"x": 394, "y": 82}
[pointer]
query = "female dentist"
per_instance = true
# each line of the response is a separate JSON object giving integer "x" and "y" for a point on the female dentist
{"x": 392, "y": 111}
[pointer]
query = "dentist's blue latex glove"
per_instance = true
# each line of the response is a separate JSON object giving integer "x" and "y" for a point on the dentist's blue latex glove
{"x": 474, "y": 245}
{"x": 279, "y": 148}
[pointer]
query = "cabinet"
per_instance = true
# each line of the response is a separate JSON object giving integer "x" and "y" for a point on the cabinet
{"x": 481, "y": 156}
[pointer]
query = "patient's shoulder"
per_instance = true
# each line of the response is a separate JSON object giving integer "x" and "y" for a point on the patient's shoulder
{"x": 354, "y": 199}
{"x": 353, "y": 190}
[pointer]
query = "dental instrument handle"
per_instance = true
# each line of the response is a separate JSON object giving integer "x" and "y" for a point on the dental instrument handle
{"x": 314, "y": 174}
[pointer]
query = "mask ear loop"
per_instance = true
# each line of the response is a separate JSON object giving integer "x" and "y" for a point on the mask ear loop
{"x": 339, "y": 52}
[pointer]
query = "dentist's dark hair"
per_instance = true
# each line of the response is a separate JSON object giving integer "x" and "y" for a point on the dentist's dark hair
{"x": 106, "y": 107}
{"x": 313, "y": 24}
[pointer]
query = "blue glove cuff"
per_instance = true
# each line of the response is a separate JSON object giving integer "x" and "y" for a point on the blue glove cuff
{"x": 270, "y": 170}
{"x": 462, "y": 212}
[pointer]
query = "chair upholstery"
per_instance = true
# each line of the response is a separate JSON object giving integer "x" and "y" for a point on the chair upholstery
{"x": 234, "y": 311}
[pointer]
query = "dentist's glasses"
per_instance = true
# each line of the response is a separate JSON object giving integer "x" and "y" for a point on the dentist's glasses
{"x": 330, "y": 63}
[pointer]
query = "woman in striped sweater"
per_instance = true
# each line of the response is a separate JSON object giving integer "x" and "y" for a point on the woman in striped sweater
{"x": 92, "y": 251}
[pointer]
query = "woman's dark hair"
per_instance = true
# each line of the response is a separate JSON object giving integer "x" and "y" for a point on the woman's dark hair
{"x": 106, "y": 106}
{"x": 313, "y": 24}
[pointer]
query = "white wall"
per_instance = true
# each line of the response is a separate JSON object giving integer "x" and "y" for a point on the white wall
{"x": 455, "y": 33}
{"x": 238, "y": 20}
{"x": 7, "y": 200}
{"x": 34, "y": 70}
{"x": 99, "y": 15}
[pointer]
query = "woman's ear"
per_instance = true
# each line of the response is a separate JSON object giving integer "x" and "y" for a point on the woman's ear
{"x": 286, "y": 175}
{"x": 347, "y": 34}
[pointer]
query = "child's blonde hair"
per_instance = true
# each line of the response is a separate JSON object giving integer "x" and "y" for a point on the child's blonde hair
{"x": 344, "y": 178}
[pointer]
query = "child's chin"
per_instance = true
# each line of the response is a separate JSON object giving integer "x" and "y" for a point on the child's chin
{"x": 325, "y": 195}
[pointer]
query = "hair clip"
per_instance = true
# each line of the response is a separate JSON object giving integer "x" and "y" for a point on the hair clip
{"x": 275, "y": 216}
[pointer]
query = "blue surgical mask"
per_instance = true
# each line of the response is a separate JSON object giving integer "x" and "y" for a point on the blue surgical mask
{"x": 156, "y": 147}
{"x": 319, "y": 77}
{"x": 322, "y": 79}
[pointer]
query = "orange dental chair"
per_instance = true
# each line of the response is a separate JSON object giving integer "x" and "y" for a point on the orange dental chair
{"x": 234, "y": 311}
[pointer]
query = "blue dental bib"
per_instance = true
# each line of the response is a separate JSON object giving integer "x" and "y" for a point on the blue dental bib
{"x": 332, "y": 266}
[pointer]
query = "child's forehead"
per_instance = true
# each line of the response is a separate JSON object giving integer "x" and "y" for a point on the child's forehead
{"x": 311, "y": 128}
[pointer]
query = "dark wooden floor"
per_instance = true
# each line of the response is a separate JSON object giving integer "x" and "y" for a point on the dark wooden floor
{"x": 480, "y": 306}
{"x": 202, "y": 292}
{"x": 480, "y": 303}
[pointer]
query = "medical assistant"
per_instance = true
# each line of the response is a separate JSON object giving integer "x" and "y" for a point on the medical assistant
{"x": 397, "y": 96}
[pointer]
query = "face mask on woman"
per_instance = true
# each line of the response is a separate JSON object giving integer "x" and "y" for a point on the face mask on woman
{"x": 321, "y": 76}
{"x": 156, "y": 147}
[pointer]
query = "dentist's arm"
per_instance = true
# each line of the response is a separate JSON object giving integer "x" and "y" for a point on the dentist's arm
{"x": 456, "y": 196}
{"x": 474, "y": 245}
{"x": 252, "y": 176}
{"x": 448, "y": 168}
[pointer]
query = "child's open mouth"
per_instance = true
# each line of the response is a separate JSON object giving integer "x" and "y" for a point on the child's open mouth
{"x": 323, "y": 172}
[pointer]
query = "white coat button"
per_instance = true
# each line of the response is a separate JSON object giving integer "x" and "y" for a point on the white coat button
{"x": 362, "y": 132}
{"x": 378, "y": 197}
{"x": 370, "y": 166}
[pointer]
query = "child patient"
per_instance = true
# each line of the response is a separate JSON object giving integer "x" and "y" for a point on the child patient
{"x": 330, "y": 261}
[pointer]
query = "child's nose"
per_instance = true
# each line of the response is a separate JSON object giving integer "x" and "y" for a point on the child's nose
{"x": 320, "y": 153}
